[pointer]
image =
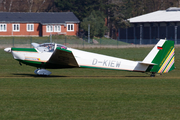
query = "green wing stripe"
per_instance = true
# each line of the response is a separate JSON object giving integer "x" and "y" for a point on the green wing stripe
{"x": 63, "y": 49}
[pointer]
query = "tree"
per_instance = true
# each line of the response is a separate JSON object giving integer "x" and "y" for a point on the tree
{"x": 97, "y": 24}
{"x": 26, "y": 5}
{"x": 116, "y": 17}
{"x": 81, "y": 8}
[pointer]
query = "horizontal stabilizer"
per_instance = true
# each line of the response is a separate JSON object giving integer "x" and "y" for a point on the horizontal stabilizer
{"x": 141, "y": 62}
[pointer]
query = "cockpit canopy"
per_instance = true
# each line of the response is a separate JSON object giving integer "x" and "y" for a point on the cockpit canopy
{"x": 47, "y": 47}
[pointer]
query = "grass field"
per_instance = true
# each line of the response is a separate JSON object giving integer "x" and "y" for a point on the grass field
{"x": 89, "y": 94}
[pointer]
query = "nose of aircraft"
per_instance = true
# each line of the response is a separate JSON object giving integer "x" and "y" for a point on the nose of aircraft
{"x": 7, "y": 50}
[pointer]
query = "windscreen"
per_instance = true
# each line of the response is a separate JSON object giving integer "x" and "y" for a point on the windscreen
{"x": 47, "y": 47}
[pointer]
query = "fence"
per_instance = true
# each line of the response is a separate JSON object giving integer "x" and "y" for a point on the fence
{"x": 146, "y": 41}
{"x": 73, "y": 41}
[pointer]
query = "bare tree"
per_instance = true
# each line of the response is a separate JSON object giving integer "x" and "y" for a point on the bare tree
{"x": 40, "y": 6}
{"x": 10, "y": 5}
{"x": 4, "y": 5}
{"x": 30, "y": 4}
{"x": 1, "y": 1}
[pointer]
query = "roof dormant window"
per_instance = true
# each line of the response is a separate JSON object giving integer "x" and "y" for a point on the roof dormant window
{"x": 30, "y": 27}
{"x": 70, "y": 27}
{"x": 49, "y": 28}
{"x": 3, "y": 27}
{"x": 16, "y": 27}
{"x": 57, "y": 28}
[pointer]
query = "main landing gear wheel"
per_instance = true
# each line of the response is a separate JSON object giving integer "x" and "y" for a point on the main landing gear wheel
{"x": 42, "y": 72}
{"x": 153, "y": 74}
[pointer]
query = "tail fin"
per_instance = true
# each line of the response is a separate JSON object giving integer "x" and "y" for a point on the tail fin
{"x": 162, "y": 55}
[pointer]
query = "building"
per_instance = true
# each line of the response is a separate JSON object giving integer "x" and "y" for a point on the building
{"x": 38, "y": 24}
{"x": 148, "y": 28}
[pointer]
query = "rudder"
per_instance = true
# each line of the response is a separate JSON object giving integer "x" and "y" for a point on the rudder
{"x": 163, "y": 58}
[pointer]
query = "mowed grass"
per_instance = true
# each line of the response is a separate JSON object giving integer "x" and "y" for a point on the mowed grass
{"x": 89, "y": 94}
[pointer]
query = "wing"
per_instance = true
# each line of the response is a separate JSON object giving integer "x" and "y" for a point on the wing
{"x": 63, "y": 58}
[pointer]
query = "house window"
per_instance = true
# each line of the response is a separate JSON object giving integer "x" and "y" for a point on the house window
{"x": 3, "y": 27}
{"x": 57, "y": 28}
{"x": 49, "y": 28}
{"x": 30, "y": 27}
{"x": 16, "y": 27}
{"x": 70, "y": 27}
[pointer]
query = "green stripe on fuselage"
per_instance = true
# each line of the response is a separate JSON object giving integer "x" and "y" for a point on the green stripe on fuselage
{"x": 32, "y": 63}
{"x": 46, "y": 65}
{"x": 24, "y": 49}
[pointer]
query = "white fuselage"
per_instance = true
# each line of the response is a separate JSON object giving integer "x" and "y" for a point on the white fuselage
{"x": 85, "y": 59}
{"x": 93, "y": 60}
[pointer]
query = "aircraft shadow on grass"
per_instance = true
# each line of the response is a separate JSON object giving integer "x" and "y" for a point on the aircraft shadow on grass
{"x": 60, "y": 76}
{"x": 33, "y": 75}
